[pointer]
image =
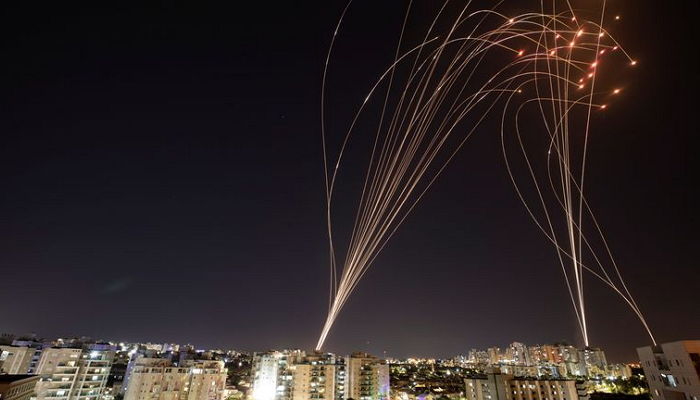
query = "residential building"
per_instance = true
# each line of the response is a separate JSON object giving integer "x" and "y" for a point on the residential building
{"x": 593, "y": 361}
{"x": 494, "y": 354}
{"x": 520, "y": 370}
{"x": 367, "y": 377}
{"x": 15, "y": 359}
{"x": 142, "y": 364}
{"x": 17, "y": 386}
{"x": 538, "y": 355}
{"x": 137, "y": 360}
{"x": 498, "y": 386}
{"x": 478, "y": 357}
{"x": 272, "y": 376}
{"x": 295, "y": 375}
{"x": 74, "y": 373}
{"x": 672, "y": 370}
{"x": 35, "y": 346}
{"x": 618, "y": 371}
{"x": 551, "y": 354}
{"x": 569, "y": 356}
{"x": 517, "y": 354}
{"x": 318, "y": 377}
{"x": 161, "y": 379}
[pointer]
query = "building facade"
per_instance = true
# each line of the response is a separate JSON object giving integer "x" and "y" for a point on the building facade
{"x": 294, "y": 375}
{"x": 73, "y": 374}
{"x": 272, "y": 375}
{"x": 161, "y": 379}
{"x": 499, "y": 386}
{"x": 367, "y": 377}
{"x": 36, "y": 347}
{"x": 17, "y": 387}
{"x": 593, "y": 361}
{"x": 318, "y": 377}
{"x": 672, "y": 370}
{"x": 15, "y": 359}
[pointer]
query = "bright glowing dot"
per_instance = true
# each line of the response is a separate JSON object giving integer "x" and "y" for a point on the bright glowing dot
{"x": 601, "y": 34}
{"x": 590, "y": 75}
{"x": 580, "y": 80}
{"x": 572, "y": 44}
{"x": 595, "y": 64}
{"x": 580, "y": 33}
{"x": 520, "y": 91}
{"x": 602, "y": 51}
{"x": 616, "y": 91}
{"x": 614, "y": 47}
{"x": 551, "y": 53}
{"x": 603, "y": 107}
{"x": 573, "y": 19}
{"x": 521, "y": 52}
{"x": 633, "y": 62}
{"x": 617, "y": 18}
{"x": 510, "y": 21}
{"x": 580, "y": 86}
{"x": 558, "y": 36}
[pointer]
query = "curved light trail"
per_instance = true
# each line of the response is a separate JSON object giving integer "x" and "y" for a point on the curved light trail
{"x": 436, "y": 94}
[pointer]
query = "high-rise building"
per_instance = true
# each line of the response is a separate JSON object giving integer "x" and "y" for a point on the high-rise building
{"x": 517, "y": 354}
{"x": 17, "y": 386}
{"x": 478, "y": 357}
{"x": 538, "y": 355}
{"x": 367, "y": 377}
{"x": 550, "y": 353}
{"x": 618, "y": 371}
{"x": 569, "y": 356}
{"x": 318, "y": 377}
{"x": 294, "y": 375}
{"x": 73, "y": 374}
{"x": 35, "y": 346}
{"x": 161, "y": 379}
{"x": 498, "y": 386}
{"x": 272, "y": 376}
{"x": 672, "y": 370}
{"x": 494, "y": 354}
{"x": 15, "y": 359}
{"x": 593, "y": 361}
{"x": 143, "y": 365}
{"x": 135, "y": 360}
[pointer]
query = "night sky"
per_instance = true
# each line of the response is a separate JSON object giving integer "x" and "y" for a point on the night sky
{"x": 162, "y": 181}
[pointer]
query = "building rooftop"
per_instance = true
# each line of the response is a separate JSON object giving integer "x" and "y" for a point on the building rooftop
{"x": 13, "y": 378}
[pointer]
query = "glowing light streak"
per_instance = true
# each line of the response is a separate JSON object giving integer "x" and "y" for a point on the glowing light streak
{"x": 448, "y": 86}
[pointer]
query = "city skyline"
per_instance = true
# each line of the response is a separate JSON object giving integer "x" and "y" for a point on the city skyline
{"x": 163, "y": 165}
{"x": 467, "y": 352}
{"x": 82, "y": 368}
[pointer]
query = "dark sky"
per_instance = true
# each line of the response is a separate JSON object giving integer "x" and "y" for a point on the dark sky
{"x": 162, "y": 180}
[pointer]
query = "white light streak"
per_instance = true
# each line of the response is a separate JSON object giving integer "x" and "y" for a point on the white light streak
{"x": 447, "y": 86}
